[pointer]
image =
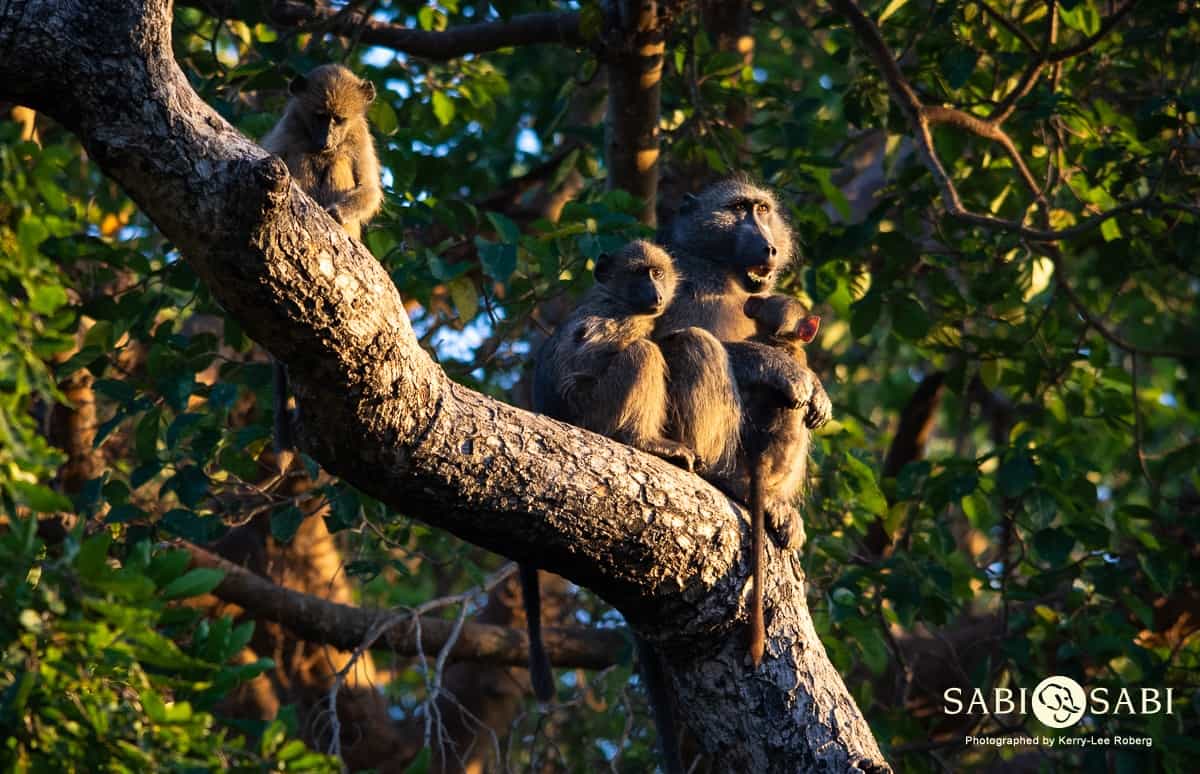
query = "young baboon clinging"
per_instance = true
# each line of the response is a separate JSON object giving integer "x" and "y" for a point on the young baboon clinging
{"x": 324, "y": 140}
{"x": 601, "y": 371}
{"x": 775, "y": 441}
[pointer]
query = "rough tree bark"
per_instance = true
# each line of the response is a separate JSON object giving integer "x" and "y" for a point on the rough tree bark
{"x": 661, "y": 545}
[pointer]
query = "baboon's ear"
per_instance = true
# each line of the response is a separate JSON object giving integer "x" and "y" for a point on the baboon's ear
{"x": 603, "y": 270}
{"x": 753, "y": 305}
{"x": 368, "y": 90}
{"x": 806, "y": 329}
{"x": 690, "y": 203}
{"x": 298, "y": 85}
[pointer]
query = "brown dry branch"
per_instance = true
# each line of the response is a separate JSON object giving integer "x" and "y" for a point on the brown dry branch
{"x": 923, "y": 118}
{"x": 917, "y": 420}
{"x": 345, "y": 627}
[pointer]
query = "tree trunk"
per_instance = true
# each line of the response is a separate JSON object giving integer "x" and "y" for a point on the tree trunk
{"x": 660, "y": 544}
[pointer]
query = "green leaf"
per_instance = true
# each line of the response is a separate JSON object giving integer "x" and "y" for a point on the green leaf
{"x": 383, "y": 117}
{"x": 93, "y": 556}
{"x": 1016, "y": 475}
{"x": 989, "y": 372}
{"x": 100, "y": 335}
{"x": 1053, "y": 545}
{"x": 119, "y": 391}
{"x": 465, "y": 297}
{"x": 197, "y": 581}
{"x": 285, "y": 522}
{"x": 892, "y": 7}
{"x": 909, "y": 318}
{"x": 865, "y": 487}
{"x": 443, "y": 108}
{"x": 865, "y": 313}
{"x": 831, "y": 192}
{"x": 509, "y": 232}
{"x": 191, "y": 484}
{"x": 188, "y": 525}
{"x": 167, "y": 566}
{"x": 499, "y": 261}
{"x": 46, "y": 299}
{"x": 344, "y": 508}
{"x": 39, "y": 498}
{"x": 1082, "y": 17}
{"x": 146, "y": 435}
{"x": 957, "y": 65}
{"x": 180, "y": 425}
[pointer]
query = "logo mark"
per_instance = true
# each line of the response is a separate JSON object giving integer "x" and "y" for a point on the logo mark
{"x": 1058, "y": 702}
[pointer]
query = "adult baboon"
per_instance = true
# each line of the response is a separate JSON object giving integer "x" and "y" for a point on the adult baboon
{"x": 730, "y": 243}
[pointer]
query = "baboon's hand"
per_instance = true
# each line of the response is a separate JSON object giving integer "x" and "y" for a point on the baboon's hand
{"x": 671, "y": 451}
{"x": 820, "y": 408}
{"x": 335, "y": 211}
{"x": 759, "y": 366}
{"x": 785, "y": 525}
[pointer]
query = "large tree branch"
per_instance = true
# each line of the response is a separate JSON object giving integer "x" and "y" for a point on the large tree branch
{"x": 659, "y": 543}
{"x": 561, "y": 28}
{"x": 637, "y": 42}
{"x": 346, "y": 627}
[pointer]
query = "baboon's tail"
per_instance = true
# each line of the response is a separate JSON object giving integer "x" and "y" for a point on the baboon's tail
{"x": 662, "y": 706}
{"x": 758, "y": 634}
{"x": 539, "y": 664}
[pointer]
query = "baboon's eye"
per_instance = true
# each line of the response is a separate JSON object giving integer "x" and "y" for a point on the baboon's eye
{"x": 762, "y": 208}
{"x": 657, "y": 273}
{"x": 339, "y": 119}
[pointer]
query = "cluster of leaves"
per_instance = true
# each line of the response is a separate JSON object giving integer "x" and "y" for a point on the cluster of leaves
{"x": 102, "y": 672}
{"x": 1059, "y": 489}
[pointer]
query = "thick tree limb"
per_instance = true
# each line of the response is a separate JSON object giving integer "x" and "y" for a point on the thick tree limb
{"x": 528, "y": 29}
{"x": 345, "y": 627}
{"x": 637, "y": 42}
{"x": 660, "y": 544}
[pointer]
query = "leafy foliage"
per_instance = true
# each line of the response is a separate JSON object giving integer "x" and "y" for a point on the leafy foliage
{"x": 100, "y": 673}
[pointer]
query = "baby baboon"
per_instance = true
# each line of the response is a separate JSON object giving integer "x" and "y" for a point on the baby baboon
{"x": 324, "y": 140}
{"x": 775, "y": 443}
{"x": 601, "y": 371}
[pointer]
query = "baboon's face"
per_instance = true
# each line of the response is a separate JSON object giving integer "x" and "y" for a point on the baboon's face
{"x": 331, "y": 99}
{"x": 325, "y": 128}
{"x": 783, "y": 319}
{"x": 641, "y": 277}
{"x": 738, "y": 226}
